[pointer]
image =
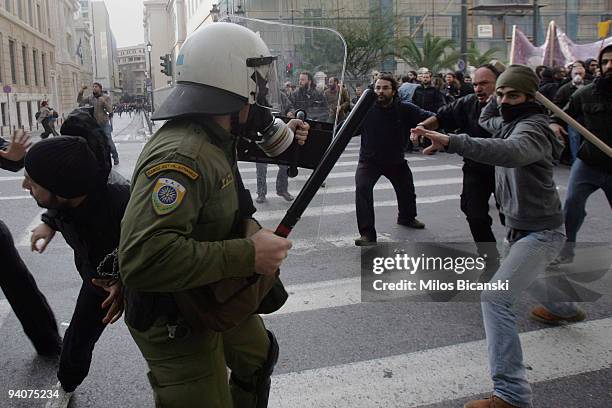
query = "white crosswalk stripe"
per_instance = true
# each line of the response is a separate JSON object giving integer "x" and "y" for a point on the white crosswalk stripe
{"x": 445, "y": 373}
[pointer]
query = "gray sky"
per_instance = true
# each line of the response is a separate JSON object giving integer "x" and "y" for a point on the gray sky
{"x": 126, "y": 21}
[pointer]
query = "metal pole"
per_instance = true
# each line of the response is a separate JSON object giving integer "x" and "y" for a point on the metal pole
{"x": 536, "y": 18}
{"x": 151, "y": 82}
{"x": 464, "y": 24}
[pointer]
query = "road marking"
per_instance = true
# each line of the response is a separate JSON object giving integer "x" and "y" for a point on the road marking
{"x": 444, "y": 373}
{"x": 5, "y": 309}
{"x": 321, "y": 295}
{"x": 346, "y": 208}
{"x": 378, "y": 187}
{"x": 11, "y": 178}
{"x": 250, "y": 167}
{"x": 420, "y": 169}
{"x": 15, "y": 197}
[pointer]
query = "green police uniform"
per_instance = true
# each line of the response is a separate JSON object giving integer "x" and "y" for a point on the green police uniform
{"x": 176, "y": 235}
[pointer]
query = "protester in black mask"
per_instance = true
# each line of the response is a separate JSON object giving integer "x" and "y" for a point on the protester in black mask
{"x": 522, "y": 150}
{"x": 592, "y": 170}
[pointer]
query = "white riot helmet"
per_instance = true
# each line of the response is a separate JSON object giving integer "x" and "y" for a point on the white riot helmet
{"x": 220, "y": 68}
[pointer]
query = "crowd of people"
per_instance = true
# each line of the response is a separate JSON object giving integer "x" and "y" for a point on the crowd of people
{"x": 181, "y": 225}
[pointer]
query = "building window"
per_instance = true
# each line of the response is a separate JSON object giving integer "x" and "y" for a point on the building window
{"x": 24, "y": 54}
{"x": 9, "y": 6}
{"x": 29, "y": 105}
{"x": 31, "y": 12}
{"x": 38, "y": 18}
{"x": 44, "y": 69}
{"x": 20, "y": 9}
{"x": 19, "y": 124}
{"x": 35, "y": 62}
{"x": 3, "y": 114}
{"x": 13, "y": 61}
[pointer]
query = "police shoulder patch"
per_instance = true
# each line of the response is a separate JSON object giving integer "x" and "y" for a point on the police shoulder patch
{"x": 167, "y": 195}
{"x": 172, "y": 166}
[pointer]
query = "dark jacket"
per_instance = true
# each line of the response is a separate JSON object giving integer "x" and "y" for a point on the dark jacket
{"x": 563, "y": 94}
{"x": 9, "y": 164}
{"x": 462, "y": 116}
{"x": 384, "y": 132}
{"x": 523, "y": 152}
{"x": 466, "y": 89}
{"x": 430, "y": 98}
{"x": 310, "y": 100}
{"x": 92, "y": 229}
{"x": 592, "y": 107}
{"x": 549, "y": 87}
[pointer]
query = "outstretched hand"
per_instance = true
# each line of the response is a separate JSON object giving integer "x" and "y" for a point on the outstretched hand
{"x": 18, "y": 147}
{"x": 439, "y": 141}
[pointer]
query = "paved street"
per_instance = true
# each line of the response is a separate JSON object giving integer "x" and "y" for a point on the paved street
{"x": 335, "y": 350}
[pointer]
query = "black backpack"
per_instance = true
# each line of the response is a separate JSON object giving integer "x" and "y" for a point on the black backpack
{"x": 80, "y": 122}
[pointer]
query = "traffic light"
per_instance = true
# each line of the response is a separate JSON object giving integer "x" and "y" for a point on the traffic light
{"x": 289, "y": 69}
{"x": 166, "y": 64}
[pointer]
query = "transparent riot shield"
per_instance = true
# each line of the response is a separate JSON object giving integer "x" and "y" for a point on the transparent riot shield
{"x": 306, "y": 60}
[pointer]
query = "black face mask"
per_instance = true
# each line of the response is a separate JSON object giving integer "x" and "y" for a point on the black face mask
{"x": 604, "y": 83}
{"x": 511, "y": 112}
{"x": 260, "y": 118}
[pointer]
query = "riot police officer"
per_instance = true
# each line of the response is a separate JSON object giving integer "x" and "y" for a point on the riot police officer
{"x": 178, "y": 229}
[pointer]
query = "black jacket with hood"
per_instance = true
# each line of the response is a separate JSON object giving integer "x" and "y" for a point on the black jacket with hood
{"x": 591, "y": 105}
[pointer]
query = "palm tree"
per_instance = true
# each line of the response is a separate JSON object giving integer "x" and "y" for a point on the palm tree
{"x": 476, "y": 58}
{"x": 436, "y": 54}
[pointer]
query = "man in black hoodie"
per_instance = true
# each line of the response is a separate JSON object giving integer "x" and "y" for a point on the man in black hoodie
{"x": 63, "y": 175}
{"x": 592, "y": 107}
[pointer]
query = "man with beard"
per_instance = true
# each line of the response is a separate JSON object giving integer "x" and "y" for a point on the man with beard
{"x": 18, "y": 284}
{"x": 337, "y": 100}
{"x": 427, "y": 96}
{"x": 592, "y": 67}
{"x": 462, "y": 116}
{"x": 63, "y": 175}
{"x": 592, "y": 170}
{"x": 309, "y": 99}
{"x": 383, "y": 135}
{"x": 523, "y": 150}
{"x": 103, "y": 113}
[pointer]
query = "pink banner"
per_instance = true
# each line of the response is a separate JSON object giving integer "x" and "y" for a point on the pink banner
{"x": 558, "y": 49}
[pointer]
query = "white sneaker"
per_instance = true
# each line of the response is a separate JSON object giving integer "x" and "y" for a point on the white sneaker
{"x": 60, "y": 398}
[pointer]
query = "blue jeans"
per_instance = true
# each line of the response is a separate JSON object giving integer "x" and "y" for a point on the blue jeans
{"x": 527, "y": 253}
{"x": 574, "y": 142}
{"x": 282, "y": 179}
{"x": 109, "y": 138}
{"x": 584, "y": 180}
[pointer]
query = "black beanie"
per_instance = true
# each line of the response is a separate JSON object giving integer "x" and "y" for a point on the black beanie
{"x": 64, "y": 165}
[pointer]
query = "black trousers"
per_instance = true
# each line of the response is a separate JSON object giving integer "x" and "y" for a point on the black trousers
{"x": 366, "y": 177}
{"x": 84, "y": 330}
{"x": 48, "y": 129}
{"x": 478, "y": 185}
{"x": 28, "y": 303}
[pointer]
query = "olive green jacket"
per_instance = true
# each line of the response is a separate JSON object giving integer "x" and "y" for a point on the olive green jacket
{"x": 177, "y": 229}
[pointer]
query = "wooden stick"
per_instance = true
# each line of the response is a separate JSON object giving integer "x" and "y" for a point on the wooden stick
{"x": 588, "y": 135}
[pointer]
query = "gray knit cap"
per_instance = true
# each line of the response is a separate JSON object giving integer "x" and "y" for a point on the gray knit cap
{"x": 520, "y": 77}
